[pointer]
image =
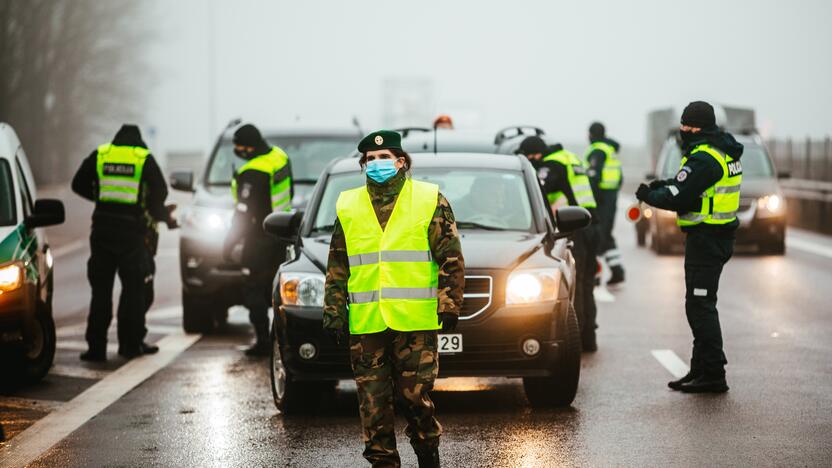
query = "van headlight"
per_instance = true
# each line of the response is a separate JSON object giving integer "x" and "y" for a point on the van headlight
{"x": 771, "y": 205}
{"x": 302, "y": 289}
{"x": 11, "y": 277}
{"x": 209, "y": 219}
{"x": 530, "y": 286}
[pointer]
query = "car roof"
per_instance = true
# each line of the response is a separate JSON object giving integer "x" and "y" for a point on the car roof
{"x": 7, "y": 143}
{"x": 301, "y": 131}
{"x": 444, "y": 160}
{"x": 448, "y": 141}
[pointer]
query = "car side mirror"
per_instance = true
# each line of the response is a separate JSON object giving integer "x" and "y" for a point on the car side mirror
{"x": 284, "y": 225}
{"x": 650, "y": 176}
{"x": 47, "y": 212}
{"x": 784, "y": 175}
{"x": 570, "y": 219}
{"x": 182, "y": 181}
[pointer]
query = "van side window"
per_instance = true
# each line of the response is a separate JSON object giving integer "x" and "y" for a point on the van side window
{"x": 25, "y": 194}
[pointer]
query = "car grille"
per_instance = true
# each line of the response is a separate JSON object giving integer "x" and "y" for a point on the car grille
{"x": 477, "y": 296}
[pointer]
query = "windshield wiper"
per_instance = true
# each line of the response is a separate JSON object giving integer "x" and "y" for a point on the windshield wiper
{"x": 473, "y": 225}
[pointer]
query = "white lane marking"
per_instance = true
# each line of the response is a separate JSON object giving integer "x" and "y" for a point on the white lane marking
{"x": 79, "y": 372}
{"x": 51, "y": 429}
{"x": 70, "y": 248}
{"x": 793, "y": 242}
{"x": 46, "y": 406}
{"x": 79, "y": 345}
{"x": 671, "y": 362}
{"x": 165, "y": 312}
{"x": 602, "y": 294}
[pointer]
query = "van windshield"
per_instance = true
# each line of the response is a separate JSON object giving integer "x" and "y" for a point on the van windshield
{"x": 486, "y": 199}
{"x": 7, "y": 208}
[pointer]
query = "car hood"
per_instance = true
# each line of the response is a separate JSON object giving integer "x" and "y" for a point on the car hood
{"x": 753, "y": 188}
{"x": 482, "y": 250}
{"x": 219, "y": 196}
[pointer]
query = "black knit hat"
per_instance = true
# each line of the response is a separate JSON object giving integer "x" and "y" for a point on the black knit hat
{"x": 699, "y": 114}
{"x": 129, "y": 135}
{"x": 532, "y": 145}
{"x": 597, "y": 130}
{"x": 248, "y": 135}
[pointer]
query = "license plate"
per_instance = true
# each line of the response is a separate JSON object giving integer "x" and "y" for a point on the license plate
{"x": 450, "y": 343}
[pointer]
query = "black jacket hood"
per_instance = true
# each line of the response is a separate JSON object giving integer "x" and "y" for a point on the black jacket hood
{"x": 129, "y": 135}
{"x": 719, "y": 139}
{"x": 608, "y": 141}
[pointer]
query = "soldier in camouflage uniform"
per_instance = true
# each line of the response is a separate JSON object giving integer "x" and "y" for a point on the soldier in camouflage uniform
{"x": 396, "y": 367}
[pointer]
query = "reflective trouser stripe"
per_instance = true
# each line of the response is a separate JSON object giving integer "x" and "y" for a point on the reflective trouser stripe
{"x": 581, "y": 188}
{"x": 692, "y": 217}
{"x": 121, "y": 196}
{"x": 409, "y": 293}
{"x": 393, "y": 293}
{"x": 364, "y": 297}
{"x": 131, "y": 184}
{"x": 613, "y": 257}
{"x": 725, "y": 215}
{"x": 281, "y": 201}
{"x": 390, "y": 256}
{"x": 727, "y": 189}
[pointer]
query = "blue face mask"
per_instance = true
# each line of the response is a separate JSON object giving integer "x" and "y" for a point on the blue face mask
{"x": 380, "y": 170}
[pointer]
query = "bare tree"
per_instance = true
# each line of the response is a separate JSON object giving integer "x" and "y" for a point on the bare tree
{"x": 70, "y": 72}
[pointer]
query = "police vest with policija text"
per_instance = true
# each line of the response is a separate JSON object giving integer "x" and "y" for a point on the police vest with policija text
{"x": 721, "y": 201}
{"x": 577, "y": 178}
{"x": 611, "y": 173}
{"x": 119, "y": 170}
{"x": 393, "y": 276}
{"x": 275, "y": 164}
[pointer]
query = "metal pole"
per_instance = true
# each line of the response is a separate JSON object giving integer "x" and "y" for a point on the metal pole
{"x": 791, "y": 160}
{"x": 827, "y": 155}
{"x": 808, "y": 165}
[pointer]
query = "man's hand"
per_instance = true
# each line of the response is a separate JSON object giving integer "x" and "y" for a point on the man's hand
{"x": 448, "y": 321}
{"x": 337, "y": 335}
{"x": 642, "y": 192}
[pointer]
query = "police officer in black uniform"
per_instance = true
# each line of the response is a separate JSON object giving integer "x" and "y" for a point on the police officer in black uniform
{"x": 554, "y": 179}
{"x": 123, "y": 180}
{"x": 261, "y": 185}
{"x": 705, "y": 195}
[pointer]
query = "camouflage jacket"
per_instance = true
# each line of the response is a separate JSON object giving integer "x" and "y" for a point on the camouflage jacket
{"x": 445, "y": 246}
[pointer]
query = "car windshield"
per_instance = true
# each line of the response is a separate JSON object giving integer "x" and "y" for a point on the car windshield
{"x": 309, "y": 156}
{"x": 755, "y": 163}
{"x": 7, "y": 211}
{"x": 481, "y": 198}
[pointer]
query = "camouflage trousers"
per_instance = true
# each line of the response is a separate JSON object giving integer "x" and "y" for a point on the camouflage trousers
{"x": 395, "y": 368}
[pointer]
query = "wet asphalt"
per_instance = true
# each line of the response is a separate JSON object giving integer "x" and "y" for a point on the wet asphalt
{"x": 212, "y": 405}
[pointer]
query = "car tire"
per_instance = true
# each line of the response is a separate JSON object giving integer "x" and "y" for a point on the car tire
{"x": 291, "y": 396}
{"x": 559, "y": 389}
{"x": 38, "y": 357}
{"x": 197, "y": 314}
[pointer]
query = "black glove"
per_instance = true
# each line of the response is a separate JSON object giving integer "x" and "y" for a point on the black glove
{"x": 654, "y": 184}
{"x": 171, "y": 221}
{"x": 337, "y": 335}
{"x": 641, "y": 193}
{"x": 448, "y": 321}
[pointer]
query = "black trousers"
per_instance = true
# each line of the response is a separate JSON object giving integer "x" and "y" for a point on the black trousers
{"x": 149, "y": 290}
{"x": 585, "y": 245}
{"x": 127, "y": 258}
{"x": 261, "y": 255}
{"x": 607, "y": 207}
{"x": 705, "y": 255}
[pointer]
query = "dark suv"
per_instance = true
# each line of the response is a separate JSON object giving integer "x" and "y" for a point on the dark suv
{"x": 517, "y": 319}
{"x": 209, "y": 287}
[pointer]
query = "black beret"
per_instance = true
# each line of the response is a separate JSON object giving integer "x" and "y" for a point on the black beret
{"x": 379, "y": 140}
{"x": 699, "y": 114}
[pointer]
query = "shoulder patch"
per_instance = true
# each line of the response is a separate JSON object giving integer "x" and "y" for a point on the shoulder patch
{"x": 683, "y": 174}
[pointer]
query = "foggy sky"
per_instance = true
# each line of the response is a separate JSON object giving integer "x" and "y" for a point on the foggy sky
{"x": 559, "y": 65}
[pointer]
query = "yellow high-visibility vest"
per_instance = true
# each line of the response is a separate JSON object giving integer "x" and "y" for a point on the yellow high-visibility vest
{"x": 721, "y": 201}
{"x": 393, "y": 277}
{"x": 119, "y": 170}
{"x": 275, "y": 165}
{"x": 611, "y": 173}
{"x": 576, "y": 174}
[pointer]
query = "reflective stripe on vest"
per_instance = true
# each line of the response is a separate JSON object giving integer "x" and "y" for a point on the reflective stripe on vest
{"x": 721, "y": 201}
{"x": 393, "y": 277}
{"x": 611, "y": 173}
{"x": 275, "y": 165}
{"x": 576, "y": 174}
{"x": 119, "y": 170}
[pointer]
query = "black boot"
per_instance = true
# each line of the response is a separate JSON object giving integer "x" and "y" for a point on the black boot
{"x": 94, "y": 355}
{"x": 149, "y": 348}
{"x": 589, "y": 342}
{"x": 428, "y": 458}
{"x": 706, "y": 384}
{"x": 617, "y": 276}
{"x": 260, "y": 348}
{"x": 130, "y": 352}
{"x": 690, "y": 376}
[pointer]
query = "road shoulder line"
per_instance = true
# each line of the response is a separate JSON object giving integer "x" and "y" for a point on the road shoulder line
{"x": 48, "y": 431}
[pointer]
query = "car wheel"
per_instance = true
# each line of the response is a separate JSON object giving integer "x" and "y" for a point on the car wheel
{"x": 39, "y": 353}
{"x": 559, "y": 389}
{"x": 197, "y": 316}
{"x": 290, "y": 396}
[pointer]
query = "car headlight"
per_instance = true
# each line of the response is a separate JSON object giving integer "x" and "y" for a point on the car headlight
{"x": 11, "y": 277}
{"x": 209, "y": 219}
{"x": 770, "y": 205}
{"x": 530, "y": 286}
{"x": 302, "y": 289}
